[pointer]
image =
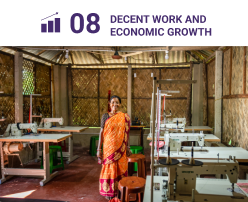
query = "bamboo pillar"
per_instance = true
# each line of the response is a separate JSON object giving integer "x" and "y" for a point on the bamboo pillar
{"x": 53, "y": 92}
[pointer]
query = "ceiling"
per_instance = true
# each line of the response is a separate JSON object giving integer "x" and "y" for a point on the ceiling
{"x": 101, "y": 56}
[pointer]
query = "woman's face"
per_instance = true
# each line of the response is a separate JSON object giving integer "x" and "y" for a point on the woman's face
{"x": 115, "y": 104}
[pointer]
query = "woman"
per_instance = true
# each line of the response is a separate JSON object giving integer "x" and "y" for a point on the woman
{"x": 114, "y": 136}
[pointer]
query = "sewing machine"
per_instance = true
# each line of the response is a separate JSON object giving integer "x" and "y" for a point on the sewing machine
{"x": 15, "y": 129}
{"x": 47, "y": 122}
{"x": 183, "y": 182}
{"x": 174, "y": 140}
{"x": 176, "y": 123}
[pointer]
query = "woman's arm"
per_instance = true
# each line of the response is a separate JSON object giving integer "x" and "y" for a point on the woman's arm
{"x": 99, "y": 148}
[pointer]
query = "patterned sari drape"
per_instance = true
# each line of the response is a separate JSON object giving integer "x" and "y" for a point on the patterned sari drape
{"x": 114, "y": 168}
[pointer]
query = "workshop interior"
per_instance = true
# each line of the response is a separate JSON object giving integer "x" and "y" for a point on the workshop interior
{"x": 187, "y": 105}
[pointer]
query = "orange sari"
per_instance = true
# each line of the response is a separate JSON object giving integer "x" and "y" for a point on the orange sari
{"x": 114, "y": 168}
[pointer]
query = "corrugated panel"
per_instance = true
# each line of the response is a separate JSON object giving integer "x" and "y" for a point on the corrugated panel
{"x": 174, "y": 57}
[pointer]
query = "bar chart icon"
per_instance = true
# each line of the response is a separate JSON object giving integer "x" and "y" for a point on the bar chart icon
{"x": 51, "y": 26}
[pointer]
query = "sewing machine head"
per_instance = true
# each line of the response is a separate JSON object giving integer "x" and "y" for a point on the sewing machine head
{"x": 175, "y": 139}
{"x": 48, "y": 122}
{"x": 17, "y": 128}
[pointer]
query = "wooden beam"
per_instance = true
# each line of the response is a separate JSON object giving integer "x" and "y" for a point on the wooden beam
{"x": 101, "y": 59}
{"x": 122, "y": 49}
{"x": 152, "y": 56}
{"x": 156, "y": 57}
{"x": 72, "y": 60}
{"x": 41, "y": 52}
{"x": 94, "y": 56}
{"x": 30, "y": 54}
{"x": 193, "y": 56}
{"x": 244, "y": 71}
{"x": 134, "y": 64}
{"x": 230, "y": 78}
{"x": 56, "y": 55}
{"x": 61, "y": 57}
{"x": 235, "y": 96}
{"x": 198, "y": 55}
{"x": 210, "y": 57}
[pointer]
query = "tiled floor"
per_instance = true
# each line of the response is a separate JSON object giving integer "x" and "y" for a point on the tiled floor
{"x": 78, "y": 182}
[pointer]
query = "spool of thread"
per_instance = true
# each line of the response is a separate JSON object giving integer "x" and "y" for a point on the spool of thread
{"x": 15, "y": 147}
{"x": 12, "y": 147}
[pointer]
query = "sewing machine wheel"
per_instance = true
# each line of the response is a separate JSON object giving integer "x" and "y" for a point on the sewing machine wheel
{"x": 197, "y": 163}
{"x": 173, "y": 161}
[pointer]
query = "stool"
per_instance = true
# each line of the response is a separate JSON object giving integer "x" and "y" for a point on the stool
{"x": 141, "y": 160}
{"x": 53, "y": 158}
{"x": 60, "y": 144}
{"x": 93, "y": 147}
{"x": 136, "y": 150}
{"x": 131, "y": 185}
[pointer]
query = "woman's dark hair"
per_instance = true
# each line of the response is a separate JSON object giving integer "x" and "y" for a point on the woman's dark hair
{"x": 115, "y": 96}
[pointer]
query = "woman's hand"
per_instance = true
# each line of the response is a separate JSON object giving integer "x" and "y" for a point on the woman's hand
{"x": 128, "y": 152}
{"x": 99, "y": 154}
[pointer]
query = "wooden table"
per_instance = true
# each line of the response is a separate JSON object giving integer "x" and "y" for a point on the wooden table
{"x": 7, "y": 173}
{"x": 141, "y": 128}
{"x": 209, "y": 153}
{"x": 207, "y": 138}
{"x": 198, "y": 128}
{"x": 67, "y": 129}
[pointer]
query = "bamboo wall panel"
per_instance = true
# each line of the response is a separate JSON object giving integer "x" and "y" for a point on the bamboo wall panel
{"x": 28, "y": 77}
{"x": 7, "y": 108}
{"x": 41, "y": 105}
{"x": 114, "y": 80}
{"x": 104, "y": 106}
{"x": 211, "y": 78}
{"x": 43, "y": 80}
{"x": 84, "y": 83}
{"x": 177, "y": 108}
{"x": 143, "y": 82}
{"x": 237, "y": 70}
{"x": 235, "y": 112}
{"x": 211, "y": 112}
{"x": 226, "y": 71}
{"x": 7, "y": 100}
{"x": 85, "y": 112}
{"x": 141, "y": 108}
{"x": 7, "y": 73}
{"x": 177, "y": 74}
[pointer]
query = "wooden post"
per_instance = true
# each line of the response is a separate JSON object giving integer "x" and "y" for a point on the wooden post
{"x": 64, "y": 95}
{"x": 244, "y": 71}
{"x": 153, "y": 133}
{"x": 53, "y": 92}
{"x": 129, "y": 92}
{"x": 57, "y": 88}
{"x": 197, "y": 106}
{"x": 230, "y": 78}
{"x": 69, "y": 80}
{"x": 218, "y": 94}
{"x": 205, "y": 96}
{"x": 188, "y": 112}
{"x": 18, "y": 88}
